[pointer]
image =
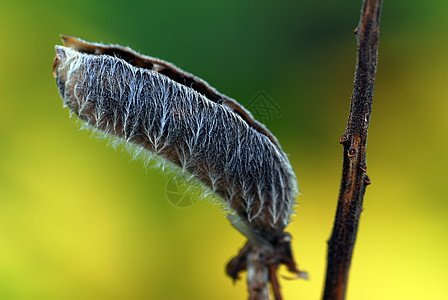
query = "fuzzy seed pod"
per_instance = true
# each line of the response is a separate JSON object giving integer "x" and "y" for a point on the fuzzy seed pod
{"x": 162, "y": 109}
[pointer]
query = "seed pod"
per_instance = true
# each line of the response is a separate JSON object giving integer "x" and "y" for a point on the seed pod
{"x": 164, "y": 110}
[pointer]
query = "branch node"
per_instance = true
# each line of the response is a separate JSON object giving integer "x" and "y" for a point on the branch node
{"x": 351, "y": 152}
{"x": 367, "y": 179}
{"x": 363, "y": 167}
{"x": 344, "y": 138}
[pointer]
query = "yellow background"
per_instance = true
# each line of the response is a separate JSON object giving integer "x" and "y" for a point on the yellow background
{"x": 79, "y": 220}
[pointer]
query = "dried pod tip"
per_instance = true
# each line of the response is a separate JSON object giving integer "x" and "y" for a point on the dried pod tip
{"x": 60, "y": 54}
{"x": 77, "y": 44}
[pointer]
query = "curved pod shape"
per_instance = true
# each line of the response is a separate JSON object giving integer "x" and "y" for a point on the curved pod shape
{"x": 169, "y": 112}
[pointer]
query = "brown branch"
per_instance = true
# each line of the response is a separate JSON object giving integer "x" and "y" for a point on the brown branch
{"x": 354, "y": 140}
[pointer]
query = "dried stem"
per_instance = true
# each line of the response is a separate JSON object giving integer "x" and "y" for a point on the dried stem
{"x": 354, "y": 177}
{"x": 261, "y": 261}
{"x": 257, "y": 275}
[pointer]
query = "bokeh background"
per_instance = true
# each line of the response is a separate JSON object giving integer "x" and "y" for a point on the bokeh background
{"x": 80, "y": 220}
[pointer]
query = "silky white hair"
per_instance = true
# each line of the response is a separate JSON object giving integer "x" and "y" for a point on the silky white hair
{"x": 204, "y": 138}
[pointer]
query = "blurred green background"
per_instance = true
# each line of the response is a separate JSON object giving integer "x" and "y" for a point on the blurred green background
{"x": 79, "y": 220}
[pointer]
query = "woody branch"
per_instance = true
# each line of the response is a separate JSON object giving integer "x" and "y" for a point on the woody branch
{"x": 354, "y": 140}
